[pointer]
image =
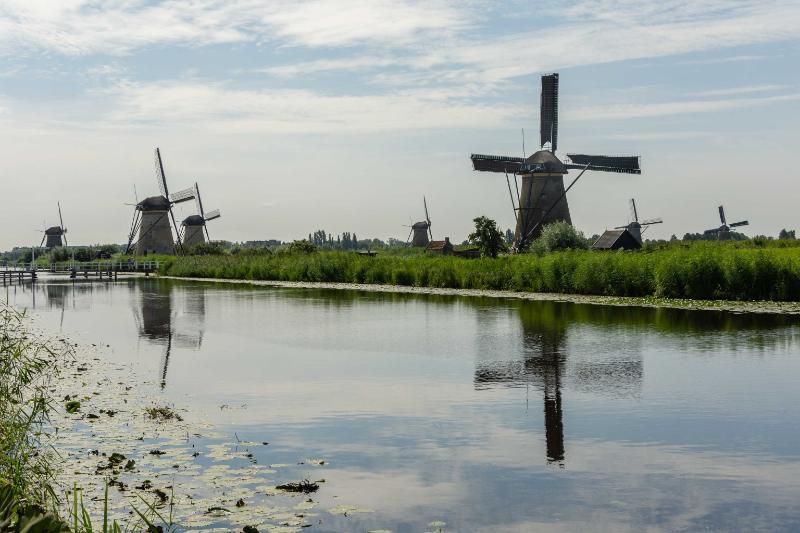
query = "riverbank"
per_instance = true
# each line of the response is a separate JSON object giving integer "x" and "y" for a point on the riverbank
{"x": 792, "y": 308}
{"x": 701, "y": 271}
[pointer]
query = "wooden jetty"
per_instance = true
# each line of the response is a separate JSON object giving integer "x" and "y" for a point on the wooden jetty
{"x": 102, "y": 270}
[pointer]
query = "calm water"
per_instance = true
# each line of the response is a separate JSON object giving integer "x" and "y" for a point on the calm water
{"x": 492, "y": 415}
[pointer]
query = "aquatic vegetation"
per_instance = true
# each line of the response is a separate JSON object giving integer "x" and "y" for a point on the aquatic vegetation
{"x": 698, "y": 270}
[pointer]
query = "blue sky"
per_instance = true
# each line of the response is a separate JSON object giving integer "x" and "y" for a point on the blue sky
{"x": 340, "y": 115}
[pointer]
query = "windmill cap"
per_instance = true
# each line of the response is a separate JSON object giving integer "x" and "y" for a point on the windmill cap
{"x": 193, "y": 220}
{"x": 53, "y": 230}
{"x": 420, "y": 225}
{"x": 153, "y": 203}
{"x": 542, "y": 162}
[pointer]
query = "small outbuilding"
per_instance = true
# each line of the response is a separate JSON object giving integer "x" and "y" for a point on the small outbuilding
{"x": 444, "y": 247}
{"x": 617, "y": 239}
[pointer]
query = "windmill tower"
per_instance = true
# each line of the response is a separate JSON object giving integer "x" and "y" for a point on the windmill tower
{"x": 542, "y": 198}
{"x": 53, "y": 235}
{"x": 635, "y": 227}
{"x": 151, "y": 219}
{"x": 421, "y": 230}
{"x": 723, "y": 233}
{"x": 195, "y": 230}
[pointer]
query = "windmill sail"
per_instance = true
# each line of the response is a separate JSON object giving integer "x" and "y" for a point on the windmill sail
{"x": 61, "y": 221}
{"x": 427, "y": 218}
{"x": 548, "y": 112}
{"x": 604, "y": 163}
{"x": 182, "y": 196}
{"x": 496, "y": 163}
{"x": 722, "y": 215}
{"x": 737, "y": 224}
{"x": 211, "y": 215}
{"x": 160, "y": 177}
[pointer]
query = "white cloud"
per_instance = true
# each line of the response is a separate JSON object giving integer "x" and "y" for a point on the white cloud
{"x": 293, "y": 111}
{"x": 325, "y": 65}
{"x": 749, "y": 89}
{"x": 660, "y": 109}
{"x": 80, "y": 27}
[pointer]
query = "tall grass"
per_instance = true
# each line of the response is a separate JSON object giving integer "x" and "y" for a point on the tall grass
{"x": 704, "y": 270}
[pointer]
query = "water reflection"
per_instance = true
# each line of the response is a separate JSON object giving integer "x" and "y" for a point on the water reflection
{"x": 166, "y": 315}
{"x": 436, "y": 421}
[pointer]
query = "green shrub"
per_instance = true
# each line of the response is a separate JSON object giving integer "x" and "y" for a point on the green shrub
{"x": 559, "y": 236}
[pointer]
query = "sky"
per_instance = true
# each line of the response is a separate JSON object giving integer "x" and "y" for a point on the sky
{"x": 340, "y": 115}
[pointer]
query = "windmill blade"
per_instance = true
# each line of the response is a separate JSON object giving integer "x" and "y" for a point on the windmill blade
{"x": 43, "y": 238}
{"x": 633, "y": 211}
{"x": 160, "y": 177}
{"x": 60, "y": 219}
{"x": 182, "y": 196}
{"x": 604, "y": 163}
{"x": 496, "y": 163}
{"x": 737, "y": 224}
{"x": 425, "y": 203}
{"x": 620, "y": 227}
{"x": 198, "y": 201}
{"x": 548, "y": 112}
{"x": 722, "y": 214}
{"x": 64, "y": 235}
{"x": 652, "y": 221}
{"x": 409, "y": 235}
{"x": 211, "y": 215}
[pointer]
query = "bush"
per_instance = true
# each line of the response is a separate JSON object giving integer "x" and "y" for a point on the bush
{"x": 559, "y": 236}
{"x": 205, "y": 248}
{"x": 302, "y": 247}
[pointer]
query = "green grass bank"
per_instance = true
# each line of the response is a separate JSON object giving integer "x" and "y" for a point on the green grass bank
{"x": 705, "y": 270}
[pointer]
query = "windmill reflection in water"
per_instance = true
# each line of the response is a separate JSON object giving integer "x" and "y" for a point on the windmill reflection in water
{"x": 545, "y": 364}
{"x": 169, "y": 317}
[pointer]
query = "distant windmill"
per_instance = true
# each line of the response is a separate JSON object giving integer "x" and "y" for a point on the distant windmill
{"x": 53, "y": 235}
{"x": 635, "y": 227}
{"x": 195, "y": 225}
{"x": 542, "y": 198}
{"x": 152, "y": 215}
{"x": 724, "y": 231}
{"x": 421, "y": 230}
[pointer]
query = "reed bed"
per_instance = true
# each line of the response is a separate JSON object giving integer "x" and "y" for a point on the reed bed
{"x": 711, "y": 271}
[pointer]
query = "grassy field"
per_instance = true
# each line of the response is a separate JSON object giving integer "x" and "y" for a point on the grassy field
{"x": 702, "y": 270}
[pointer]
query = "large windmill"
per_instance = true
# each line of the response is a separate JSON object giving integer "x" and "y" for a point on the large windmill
{"x": 194, "y": 226}
{"x": 635, "y": 227}
{"x": 542, "y": 197}
{"x": 151, "y": 219}
{"x": 723, "y": 232}
{"x": 53, "y": 235}
{"x": 421, "y": 230}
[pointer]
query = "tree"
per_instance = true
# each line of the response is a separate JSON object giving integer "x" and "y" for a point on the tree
{"x": 786, "y": 234}
{"x": 560, "y": 236}
{"x": 509, "y": 236}
{"x": 487, "y": 237}
{"x": 302, "y": 247}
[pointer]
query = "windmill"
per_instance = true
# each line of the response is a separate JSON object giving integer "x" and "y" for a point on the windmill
{"x": 421, "y": 230}
{"x": 195, "y": 225}
{"x": 53, "y": 235}
{"x": 542, "y": 198}
{"x": 151, "y": 218}
{"x": 635, "y": 227}
{"x": 723, "y": 232}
